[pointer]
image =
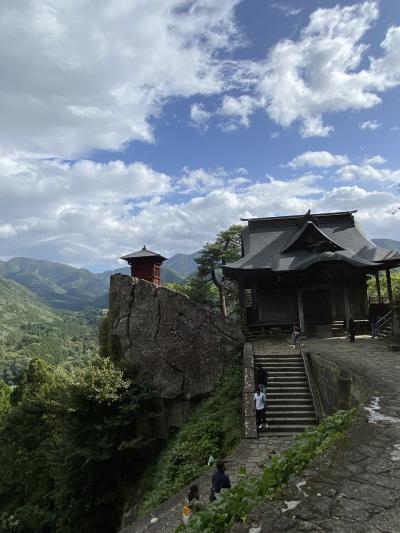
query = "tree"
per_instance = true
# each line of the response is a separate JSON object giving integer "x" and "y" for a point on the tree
{"x": 199, "y": 290}
{"x": 225, "y": 249}
{"x": 372, "y": 289}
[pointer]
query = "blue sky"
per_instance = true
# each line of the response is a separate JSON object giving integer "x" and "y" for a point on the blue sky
{"x": 163, "y": 122}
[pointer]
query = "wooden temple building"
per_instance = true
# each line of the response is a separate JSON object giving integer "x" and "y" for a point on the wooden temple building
{"x": 310, "y": 270}
{"x": 145, "y": 264}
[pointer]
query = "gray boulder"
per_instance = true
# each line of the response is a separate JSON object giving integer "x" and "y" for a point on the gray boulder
{"x": 178, "y": 347}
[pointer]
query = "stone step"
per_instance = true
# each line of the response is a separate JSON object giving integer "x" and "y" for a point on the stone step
{"x": 293, "y": 401}
{"x": 301, "y": 405}
{"x": 283, "y": 356}
{"x": 283, "y": 372}
{"x": 281, "y": 364}
{"x": 291, "y": 413}
{"x": 285, "y": 394}
{"x": 289, "y": 387}
{"x": 289, "y": 428}
{"x": 287, "y": 378}
{"x": 294, "y": 419}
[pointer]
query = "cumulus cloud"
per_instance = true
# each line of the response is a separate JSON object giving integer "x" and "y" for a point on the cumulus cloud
{"x": 91, "y": 75}
{"x": 199, "y": 115}
{"x": 369, "y": 125}
{"x": 318, "y": 159}
{"x": 323, "y": 70}
{"x": 375, "y": 160}
{"x": 369, "y": 173}
{"x": 238, "y": 110}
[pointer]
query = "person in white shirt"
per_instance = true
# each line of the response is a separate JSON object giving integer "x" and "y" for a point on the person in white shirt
{"x": 259, "y": 406}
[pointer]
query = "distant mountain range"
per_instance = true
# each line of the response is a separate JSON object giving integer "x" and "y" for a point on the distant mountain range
{"x": 390, "y": 244}
{"x": 65, "y": 287}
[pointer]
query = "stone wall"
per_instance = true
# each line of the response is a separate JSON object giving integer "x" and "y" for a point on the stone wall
{"x": 337, "y": 387}
{"x": 178, "y": 347}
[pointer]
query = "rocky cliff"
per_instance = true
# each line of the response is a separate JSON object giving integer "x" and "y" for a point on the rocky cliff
{"x": 178, "y": 347}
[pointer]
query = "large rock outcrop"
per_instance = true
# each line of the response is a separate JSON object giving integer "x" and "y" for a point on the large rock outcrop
{"x": 178, "y": 347}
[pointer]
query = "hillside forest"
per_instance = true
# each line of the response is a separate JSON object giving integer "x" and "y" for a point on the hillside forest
{"x": 75, "y": 425}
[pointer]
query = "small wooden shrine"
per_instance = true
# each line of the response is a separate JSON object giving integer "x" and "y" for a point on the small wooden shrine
{"x": 145, "y": 264}
{"x": 310, "y": 270}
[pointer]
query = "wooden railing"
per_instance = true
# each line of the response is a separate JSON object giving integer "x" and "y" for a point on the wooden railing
{"x": 317, "y": 403}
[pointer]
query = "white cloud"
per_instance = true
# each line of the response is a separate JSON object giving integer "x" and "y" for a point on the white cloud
{"x": 86, "y": 75}
{"x": 375, "y": 160}
{"x": 287, "y": 10}
{"x": 200, "y": 180}
{"x": 238, "y": 109}
{"x": 318, "y": 159}
{"x": 369, "y": 125}
{"x": 369, "y": 173}
{"x": 323, "y": 72}
{"x": 199, "y": 115}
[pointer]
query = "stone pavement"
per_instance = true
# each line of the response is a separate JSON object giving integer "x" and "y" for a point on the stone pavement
{"x": 250, "y": 453}
{"x": 355, "y": 486}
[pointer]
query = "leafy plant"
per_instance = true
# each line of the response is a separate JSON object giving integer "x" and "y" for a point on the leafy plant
{"x": 214, "y": 427}
{"x": 236, "y": 504}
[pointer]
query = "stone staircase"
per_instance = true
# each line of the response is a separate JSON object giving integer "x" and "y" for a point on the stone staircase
{"x": 290, "y": 407}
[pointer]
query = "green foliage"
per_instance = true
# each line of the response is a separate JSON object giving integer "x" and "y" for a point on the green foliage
{"x": 5, "y": 392}
{"x": 236, "y": 503}
{"x": 214, "y": 427}
{"x": 30, "y": 329}
{"x": 198, "y": 290}
{"x": 69, "y": 447}
{"x": 225, "y": 249}
{"x": 395, "y": 276}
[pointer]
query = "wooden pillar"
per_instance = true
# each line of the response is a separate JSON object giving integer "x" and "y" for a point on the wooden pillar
{"x": 378, "y": 286}
{"x": 242, "y": 303}
{"x": 347, "y": 304}
{"x": 301, "y": 311}
{"x": 389, "y": 286}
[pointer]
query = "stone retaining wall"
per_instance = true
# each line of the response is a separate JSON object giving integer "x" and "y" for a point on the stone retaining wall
{"x": 337, "y": 387}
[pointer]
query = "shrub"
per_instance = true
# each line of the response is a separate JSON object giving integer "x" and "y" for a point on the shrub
{"x": 236, "y": 503}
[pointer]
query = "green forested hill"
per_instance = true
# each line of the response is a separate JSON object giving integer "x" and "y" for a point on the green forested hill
{"x": 59, "y": 285}
{"x": 29, "y": 328}
{"x": 65, "y": 287}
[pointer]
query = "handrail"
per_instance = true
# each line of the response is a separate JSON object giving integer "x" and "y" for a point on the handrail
{"x": 383, "y": 321}
{"x": 319, "y": 412}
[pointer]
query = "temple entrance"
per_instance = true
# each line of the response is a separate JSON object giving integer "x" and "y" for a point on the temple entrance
{"x": 317, "y": 306}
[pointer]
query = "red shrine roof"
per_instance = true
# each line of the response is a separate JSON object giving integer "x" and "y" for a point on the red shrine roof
{"x": 144, "y": 252}
{"x": 294, "y": 243}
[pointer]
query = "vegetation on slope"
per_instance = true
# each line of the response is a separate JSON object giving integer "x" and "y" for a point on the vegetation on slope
{"x": 29, "y": 328}
{"x": 69, "y": 447}
{"x": 214, "y": 427}
{"x": 235, "y": 504}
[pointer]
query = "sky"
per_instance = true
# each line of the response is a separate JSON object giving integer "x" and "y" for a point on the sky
{"x": 162, "y": 122}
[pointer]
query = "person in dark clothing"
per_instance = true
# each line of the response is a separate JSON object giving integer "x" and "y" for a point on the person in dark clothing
{"x": 219, "y": 480}
{"x": 352, "y": 330}
{"x": 261, "y": 378}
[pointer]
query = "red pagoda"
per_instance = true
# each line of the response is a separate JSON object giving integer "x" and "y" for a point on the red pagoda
{"x": 145, "y": 264}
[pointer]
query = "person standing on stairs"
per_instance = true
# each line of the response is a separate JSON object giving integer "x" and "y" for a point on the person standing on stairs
{"x": 259, "y": 406}
{"x": 261, "y": 378}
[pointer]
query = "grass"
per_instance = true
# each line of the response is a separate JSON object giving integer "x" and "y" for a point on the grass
{"x": 236, "y": 504}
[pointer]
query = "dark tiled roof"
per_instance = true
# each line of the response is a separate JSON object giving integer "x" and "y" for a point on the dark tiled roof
{"x": 281, "y": 244}
{"x": 142, "y": 253}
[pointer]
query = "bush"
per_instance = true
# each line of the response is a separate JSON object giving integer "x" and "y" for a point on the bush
{"x": 236, "y": 503}
{"x": 214, "y": 428}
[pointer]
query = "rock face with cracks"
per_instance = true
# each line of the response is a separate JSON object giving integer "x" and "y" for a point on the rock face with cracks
{"x": 178, "y": 347}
